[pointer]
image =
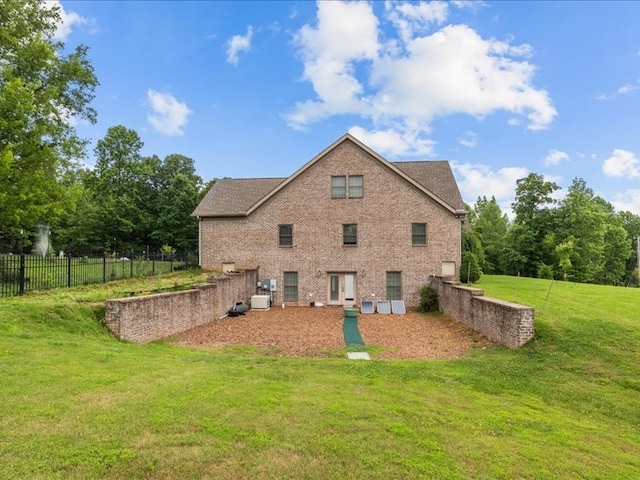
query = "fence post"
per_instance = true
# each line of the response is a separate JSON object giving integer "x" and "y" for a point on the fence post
{"x": 131, "y": 265}
{"x": 22, "y": 271}
{"x": 69, "y": 271}
{"x": 104, "y": 268}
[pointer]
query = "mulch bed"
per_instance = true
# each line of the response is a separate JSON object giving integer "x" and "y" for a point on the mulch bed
{"x": 317, "y": 332}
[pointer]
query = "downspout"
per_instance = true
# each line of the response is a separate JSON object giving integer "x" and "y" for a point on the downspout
{"x": 200, "y": 242}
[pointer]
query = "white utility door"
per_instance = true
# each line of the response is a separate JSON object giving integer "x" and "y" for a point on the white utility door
{"x": 342, "y": 288}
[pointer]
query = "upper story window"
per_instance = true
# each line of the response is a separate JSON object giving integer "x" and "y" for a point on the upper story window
{"x": 418, "y": 234}
{"x": 338, "y": 187}
{"x": 285, "y": 235}
{"x": 350, "y": 234}
{"x": 356, "y": 186}
{"x": 343, "y": 186}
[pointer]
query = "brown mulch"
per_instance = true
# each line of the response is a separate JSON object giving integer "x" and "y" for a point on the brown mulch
{"x": 317, "y": 332}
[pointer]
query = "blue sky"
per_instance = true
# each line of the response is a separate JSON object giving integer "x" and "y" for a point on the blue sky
{"x": 256, "y": 89}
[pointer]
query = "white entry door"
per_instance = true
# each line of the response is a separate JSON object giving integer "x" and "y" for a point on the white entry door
{"x": 342, "y": 288}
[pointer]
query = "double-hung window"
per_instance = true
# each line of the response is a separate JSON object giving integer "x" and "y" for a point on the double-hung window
{"x": 350, "y": 234}
{"x": 418, "y": 234}
{"x": 339, "y": 187}
{"x": 394, "y": 285}
{"x": 290, "y": 287}
{"x": 356, "y": 186}
{"x": 285, "y": 235}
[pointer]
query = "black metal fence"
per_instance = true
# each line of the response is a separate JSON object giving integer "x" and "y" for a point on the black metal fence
{"x": 24, "y": 273}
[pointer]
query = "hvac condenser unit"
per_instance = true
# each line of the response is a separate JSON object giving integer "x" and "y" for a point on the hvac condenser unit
{"x": 260, "y": 302}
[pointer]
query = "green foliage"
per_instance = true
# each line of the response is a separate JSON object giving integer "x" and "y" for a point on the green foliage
{"x": 533, "y": 221}
{"x": 129, "y": 202}
{"x": 469, "y": 268}
{"x": 545, "y": 271}
{"x": 41, "y": 87}
{"x": 429, "y": 302}
{"x": 491, "y": 226}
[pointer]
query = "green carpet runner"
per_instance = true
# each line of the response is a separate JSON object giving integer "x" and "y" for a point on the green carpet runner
{"x": 352, "y": 336}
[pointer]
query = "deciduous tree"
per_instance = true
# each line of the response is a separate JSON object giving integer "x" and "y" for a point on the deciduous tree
{"x": 42, "y": 86}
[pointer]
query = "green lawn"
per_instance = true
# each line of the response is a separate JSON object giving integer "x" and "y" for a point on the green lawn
{"x": 75, "y": 403}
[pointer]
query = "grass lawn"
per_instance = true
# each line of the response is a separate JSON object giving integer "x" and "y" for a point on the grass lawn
{"x": 77, "y": 404}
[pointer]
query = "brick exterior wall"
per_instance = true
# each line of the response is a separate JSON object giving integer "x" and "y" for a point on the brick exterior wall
{"x": 508, "y": 324}
{"x": 152, "y": 317}
{"x": 384, "y": 217}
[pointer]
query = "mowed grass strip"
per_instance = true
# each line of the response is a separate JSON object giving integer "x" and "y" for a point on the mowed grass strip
{"x": 76, "y": 403}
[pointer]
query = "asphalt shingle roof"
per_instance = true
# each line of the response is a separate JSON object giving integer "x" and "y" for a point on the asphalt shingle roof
{"x": 239, "y": 196}
{"x": 435, "y": 176}
{"x": 234, "y": 196}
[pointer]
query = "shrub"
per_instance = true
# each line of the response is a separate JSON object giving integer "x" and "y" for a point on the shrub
{"x": 470, "y": 269}
{"x": 545, "y": 271}
{"x": 428, "y": 300}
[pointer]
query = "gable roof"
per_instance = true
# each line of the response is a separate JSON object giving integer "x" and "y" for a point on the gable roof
{"x": 239, "y": 197}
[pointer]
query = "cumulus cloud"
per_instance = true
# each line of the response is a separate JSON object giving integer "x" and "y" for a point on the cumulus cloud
{"x": 68, "y": 20}
{"x": 404, "y": 83}
{"x": 412, "y": 18}
{"x": 393, "y": 142}
{"x": 554, "y": 157}
{"x": 621, "y": 163}
{"x": 628, "y": 201}
{"x": 168, "y": 115}
{"x": 237, "y": 44}
{"x": 477, "y": 180}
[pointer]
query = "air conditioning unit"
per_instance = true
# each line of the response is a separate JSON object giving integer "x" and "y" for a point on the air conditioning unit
{"x": 260, "y": 302}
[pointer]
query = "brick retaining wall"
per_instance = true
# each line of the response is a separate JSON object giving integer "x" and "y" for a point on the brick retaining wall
{"x": 152, "y": 317}
{"x": 508, "y": 324}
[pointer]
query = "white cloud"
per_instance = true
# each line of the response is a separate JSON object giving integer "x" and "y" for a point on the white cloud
{"x": 621, "y": 163}
{"x": 628, "y": 88}
{"x": 168, "y": 115}
{"x": 393, "y": 142}
{"x": 68, "y": 20}
{"x": 628, "y": 201}
{"x": 469, "y": 139}
{"x": 480, "y": 180}
{"x": 346, "y": 33}
{"x": 237, "y": 44}
{"x": 403, "y": 84}
{"x": 412, "y": 18}
{"x": 554, "y": 157}
{"x": 623, "y": 90}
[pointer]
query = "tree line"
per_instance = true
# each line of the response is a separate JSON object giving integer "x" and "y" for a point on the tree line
{"x": 127, "y": 202}
{"x": 580, "y": 238}
{"x": 130, "y": 202}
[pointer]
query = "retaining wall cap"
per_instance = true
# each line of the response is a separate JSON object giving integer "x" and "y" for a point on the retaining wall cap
{"x": 517, "y": 306}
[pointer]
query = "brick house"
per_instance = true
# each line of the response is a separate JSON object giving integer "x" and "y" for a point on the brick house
{"x": 346, "y": 226}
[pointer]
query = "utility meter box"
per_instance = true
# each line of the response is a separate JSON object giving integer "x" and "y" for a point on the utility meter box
{"x": 269, "y": 285}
